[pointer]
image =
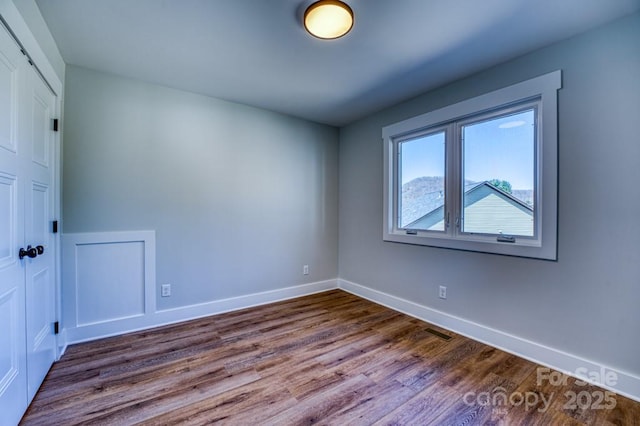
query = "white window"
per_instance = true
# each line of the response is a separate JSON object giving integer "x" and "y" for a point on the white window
{"x": 480, "y": 175}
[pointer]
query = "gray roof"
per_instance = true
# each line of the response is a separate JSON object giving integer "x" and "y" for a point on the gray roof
{"x": 436, "y": 204}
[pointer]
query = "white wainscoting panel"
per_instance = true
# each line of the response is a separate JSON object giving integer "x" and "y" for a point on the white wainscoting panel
{"x": 107, "y": 278}
{"x": 111, "y": 272}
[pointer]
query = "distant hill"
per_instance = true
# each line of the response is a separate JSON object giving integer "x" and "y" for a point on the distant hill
{"x": 424, "y": 194}
{"x": 524, "y": 195}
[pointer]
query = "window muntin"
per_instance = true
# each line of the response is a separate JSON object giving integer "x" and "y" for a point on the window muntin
{"x": 536, "y": 100}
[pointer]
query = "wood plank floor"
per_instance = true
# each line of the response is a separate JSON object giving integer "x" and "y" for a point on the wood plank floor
{"x": 329, "y": 358}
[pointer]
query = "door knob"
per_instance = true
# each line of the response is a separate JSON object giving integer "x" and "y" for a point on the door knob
{"x": 29, "y": 252}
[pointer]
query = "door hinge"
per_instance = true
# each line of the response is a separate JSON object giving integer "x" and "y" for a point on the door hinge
{"x": 55, "y": 124}
{"x": 54, "y": 227}
{"x": 56, "y": 327}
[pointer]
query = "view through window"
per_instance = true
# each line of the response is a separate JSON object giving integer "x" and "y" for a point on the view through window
{"x": 422, "y": 176}
{"x": 498, "y": 174}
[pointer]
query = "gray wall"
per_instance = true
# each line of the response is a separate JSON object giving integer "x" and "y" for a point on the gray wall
{"x": 586, "y": 303}
{"x": 240, "y": 198}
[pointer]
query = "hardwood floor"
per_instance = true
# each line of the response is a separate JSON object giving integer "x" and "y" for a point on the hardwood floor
{"x": 329, "y": 358}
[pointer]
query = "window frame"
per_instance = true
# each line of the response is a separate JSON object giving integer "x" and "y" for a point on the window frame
{"x": 543, "y": 245}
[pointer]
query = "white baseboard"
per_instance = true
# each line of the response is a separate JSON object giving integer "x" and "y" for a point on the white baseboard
{"x": 102, "y": 268}
{"x": 62, "y": 343}
{"x": 185, "y": 313}
{"x": 626, "y": 384}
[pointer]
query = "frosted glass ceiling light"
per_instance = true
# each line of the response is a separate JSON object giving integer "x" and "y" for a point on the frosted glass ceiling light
{"x": 328, "y": 19}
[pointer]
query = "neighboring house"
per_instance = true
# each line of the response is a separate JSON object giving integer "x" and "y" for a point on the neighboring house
{"x": 488, "y": 210}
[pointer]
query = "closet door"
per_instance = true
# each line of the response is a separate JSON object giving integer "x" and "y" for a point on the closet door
{"x": 27, "y": 245}
{"x": 40, "y": 107}
{"x": 13, "y": 365}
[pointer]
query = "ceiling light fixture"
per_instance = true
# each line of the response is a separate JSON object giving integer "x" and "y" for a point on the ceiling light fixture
{"x": 328, "y": 19}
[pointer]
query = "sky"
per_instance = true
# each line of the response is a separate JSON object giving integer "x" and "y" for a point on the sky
{"x": 501, "y": 148}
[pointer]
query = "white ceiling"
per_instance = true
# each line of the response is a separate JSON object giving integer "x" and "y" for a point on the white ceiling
{"x": 256, "y": 52}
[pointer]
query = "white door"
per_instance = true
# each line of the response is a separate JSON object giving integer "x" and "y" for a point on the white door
{"x": 39, "y": 208}
{"x": 27, "y": 284}
{"x": 13, "y": 360}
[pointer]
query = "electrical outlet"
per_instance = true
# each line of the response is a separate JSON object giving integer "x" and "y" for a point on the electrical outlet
{"x": 165, "y": 290}
{"x": 443, "y": 292}
{"x": 305, "y": 269}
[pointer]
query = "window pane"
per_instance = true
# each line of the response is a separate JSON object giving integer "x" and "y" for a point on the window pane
{"x": 498, "y": 175}
{"x": 422, "y": 161}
